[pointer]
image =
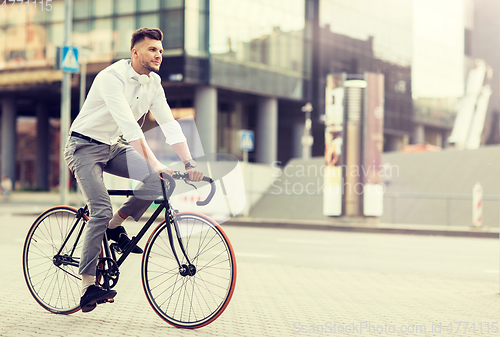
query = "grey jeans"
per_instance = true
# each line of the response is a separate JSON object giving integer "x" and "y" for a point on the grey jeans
{"x": 88, "y": 161}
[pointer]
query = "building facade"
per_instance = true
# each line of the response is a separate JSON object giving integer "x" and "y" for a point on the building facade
{"x": 230, "y": 65}
{"x": 483, "y": 42}
{"x": 227, "y": 64}
{"x": 372, "y": 36}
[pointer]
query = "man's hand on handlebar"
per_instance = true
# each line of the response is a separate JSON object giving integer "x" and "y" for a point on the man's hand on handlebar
{"x": 162, "y": 168}
{"x": 194, "y": 174}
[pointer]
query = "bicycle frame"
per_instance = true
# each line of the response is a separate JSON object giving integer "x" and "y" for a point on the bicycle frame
{"x": 184, "y": 269}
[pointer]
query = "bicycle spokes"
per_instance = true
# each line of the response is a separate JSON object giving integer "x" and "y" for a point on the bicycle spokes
{"x": 195, "y": 293}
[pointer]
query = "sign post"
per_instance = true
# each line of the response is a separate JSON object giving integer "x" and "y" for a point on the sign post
{"x": 69, "y": 63}
{"x": 246, "y": 144}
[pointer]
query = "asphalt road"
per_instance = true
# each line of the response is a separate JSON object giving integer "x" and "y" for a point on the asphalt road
{"x": 295, "y": 282}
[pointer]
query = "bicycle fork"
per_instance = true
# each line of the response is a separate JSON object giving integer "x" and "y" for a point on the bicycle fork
{"x": 184, "y": 269}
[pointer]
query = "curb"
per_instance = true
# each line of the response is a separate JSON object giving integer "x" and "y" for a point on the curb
{"x": 413, "y": 229}
{"x": 457, "y": 231}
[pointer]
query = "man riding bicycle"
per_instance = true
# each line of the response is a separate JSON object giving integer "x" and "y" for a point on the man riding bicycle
{"x": 120, "y": 95}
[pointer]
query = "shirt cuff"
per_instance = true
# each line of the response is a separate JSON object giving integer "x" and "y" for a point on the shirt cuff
{"x": 173, "y": 132}
{"x": 131, "y": 136}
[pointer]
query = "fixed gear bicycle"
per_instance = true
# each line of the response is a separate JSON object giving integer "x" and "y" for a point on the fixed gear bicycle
{"x": 188, "y": 265}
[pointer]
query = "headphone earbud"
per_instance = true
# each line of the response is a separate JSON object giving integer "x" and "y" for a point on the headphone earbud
{"x": 145, "y": 79}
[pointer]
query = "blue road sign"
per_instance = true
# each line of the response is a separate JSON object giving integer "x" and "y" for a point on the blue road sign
{"x": 69, "y": 59}
{"x": 246, "y": 140}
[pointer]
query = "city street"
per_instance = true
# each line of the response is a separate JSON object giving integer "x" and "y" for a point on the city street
{"x": 294, "y": 282}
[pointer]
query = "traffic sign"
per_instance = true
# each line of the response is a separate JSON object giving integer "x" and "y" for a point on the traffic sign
{"x": 69, "y": 59}
{"x": 246, "y": 140}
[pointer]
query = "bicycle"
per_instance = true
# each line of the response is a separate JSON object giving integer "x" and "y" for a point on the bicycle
{"x": 188, "y": 281}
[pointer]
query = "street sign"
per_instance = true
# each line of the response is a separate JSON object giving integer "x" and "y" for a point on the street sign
{"x": 246, "y": 140}
{"x": 69, "y": 59}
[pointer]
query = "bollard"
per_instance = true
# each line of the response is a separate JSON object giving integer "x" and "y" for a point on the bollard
{"x": 477, "y": 205}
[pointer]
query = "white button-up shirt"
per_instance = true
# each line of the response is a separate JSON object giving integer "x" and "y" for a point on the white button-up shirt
{"x": 116, "y": 101}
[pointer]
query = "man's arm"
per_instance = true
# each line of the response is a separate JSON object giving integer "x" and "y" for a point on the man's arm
{"x": 182, "y": 150}
{"x": 141, "y": 146}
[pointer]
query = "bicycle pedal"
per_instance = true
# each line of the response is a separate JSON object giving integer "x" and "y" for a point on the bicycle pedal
{"x": 116, "y": 248}
{"x": 109, "y": 300}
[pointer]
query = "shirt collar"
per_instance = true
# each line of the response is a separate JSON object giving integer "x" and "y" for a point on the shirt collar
{"x": 131, "y": 72}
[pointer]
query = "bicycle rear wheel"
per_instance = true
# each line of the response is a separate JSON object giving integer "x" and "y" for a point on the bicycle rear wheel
{"x": 53, "y": 279}
{"x": 189, "y": 301}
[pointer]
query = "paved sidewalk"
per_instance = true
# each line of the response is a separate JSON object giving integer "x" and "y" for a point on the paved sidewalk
{"x": 294, "y": 283}
{"x": 34, "y": 203}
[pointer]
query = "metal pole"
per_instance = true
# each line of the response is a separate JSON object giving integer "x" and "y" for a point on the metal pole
{"x": 307, "y": 139}
{"x": 246, "y": 210}
{"x": 83, "y": 94}
{"x": 65, "y": 107}
{"x": 83, "y": 82}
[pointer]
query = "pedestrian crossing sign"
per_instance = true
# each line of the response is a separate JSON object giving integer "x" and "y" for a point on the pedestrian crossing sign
{"x": 69, "y": 59}
{"x": 246, "y": 140}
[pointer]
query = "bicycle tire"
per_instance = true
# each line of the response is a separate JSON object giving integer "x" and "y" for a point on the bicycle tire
{"x": 199, "y": 299}
{"x": 56, "y": 288}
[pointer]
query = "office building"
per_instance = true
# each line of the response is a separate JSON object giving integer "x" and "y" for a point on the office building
{"x": 229, "y": 64}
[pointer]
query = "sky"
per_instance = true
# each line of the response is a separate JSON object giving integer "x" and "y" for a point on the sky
{"x": 428, "y": 34}
{"x": 438, "y": 48}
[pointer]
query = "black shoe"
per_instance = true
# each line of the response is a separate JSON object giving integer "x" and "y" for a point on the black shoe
{"x": 119, "y": 235}
{"x": 94, "y": 294}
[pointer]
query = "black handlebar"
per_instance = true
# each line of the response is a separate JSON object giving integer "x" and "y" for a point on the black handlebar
{"x": 185, "y": 176}
{"x": 210, "y": 195}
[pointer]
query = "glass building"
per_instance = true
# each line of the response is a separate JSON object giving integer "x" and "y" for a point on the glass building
{"x": 372, "y": 36}
{"x": 230, "y": 64}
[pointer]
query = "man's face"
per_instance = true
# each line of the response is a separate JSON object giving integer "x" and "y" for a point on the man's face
{"x": 148, "y": 53}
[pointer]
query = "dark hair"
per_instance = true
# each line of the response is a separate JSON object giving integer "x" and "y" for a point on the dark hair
{"x": 142, "y": 33}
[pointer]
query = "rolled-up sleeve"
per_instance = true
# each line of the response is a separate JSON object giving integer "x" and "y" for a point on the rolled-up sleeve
{"x": 163, "y": 115}
{"x": 112, "y": 92}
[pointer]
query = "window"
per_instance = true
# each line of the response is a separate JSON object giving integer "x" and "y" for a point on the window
{"x": 123, "y": 34}
{"x": 172, "y": 29}
{"x": 101, "y": 39}
{"x": 81, "y": 9}
{"x": 35, "y": 43}
{"x": 149, "y": 5}
{"x": 35, "y": 16}
{"x": 81, "y": 33}
{"x": 103, "y": 7}
{"x": 57, "y": 12}
{"x": 148, "y": 20}
{"x": 195, "y": 40}
{"x": 172, "y": 3}
{"x": 125, "y": 7}
{"x": 55, "y": 35}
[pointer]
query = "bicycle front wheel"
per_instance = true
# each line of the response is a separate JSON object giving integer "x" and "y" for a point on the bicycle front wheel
{"x": 53, "y": 278}
{"x": 182, "y": 300}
